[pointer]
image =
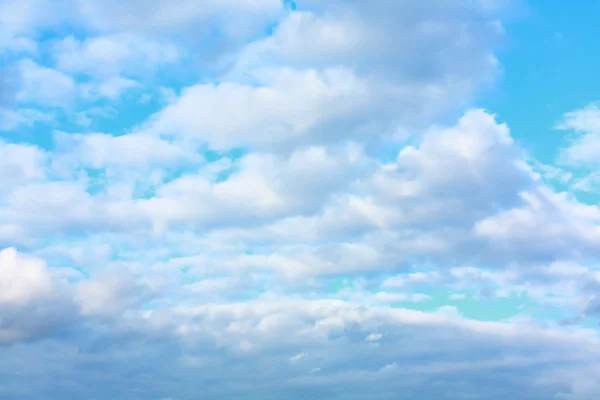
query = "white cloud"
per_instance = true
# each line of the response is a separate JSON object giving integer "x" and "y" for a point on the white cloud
{"x": 586, "y": 119}
{"x": 325, "y": 77}
{"x": 39, "y": 208}
{"x": 588, "y": 183}
{"x": 154, "y": 15}
{"x": 300, "y": 245}
{"x": 15, "y": 119}
{"x": 584, "y": 149}
{"x": 415, "y": 278}
{"x": 100, "y": 150}
{"x": 350, "y": 362}
{"x": 298, "y": 357}
{"x": 264, "y": 187}
{"x": 374, "y": 337}
{"x": 286, "y": 108}
{"x": 463, "y": 196}
{"x": 110, "y": 294}
{"x": 113, "y": 55}
{"x": 88, "y": 117}
{"x": 548, "y": 226}
{"x": 20, "y": 163}
{"x": 44, "y": 86}
{"x": 456, "y": 175}
{"x": 23, "y": 279}
{"x": 20, "y": 19}
{"x": 113, "y": 64}
{"x": 366, "y": 37}
{"x": 32, "y": 303}
{"x": 111, "y": 88}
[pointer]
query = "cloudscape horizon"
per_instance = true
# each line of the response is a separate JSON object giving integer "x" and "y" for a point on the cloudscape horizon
{"x": 267, "y": 199}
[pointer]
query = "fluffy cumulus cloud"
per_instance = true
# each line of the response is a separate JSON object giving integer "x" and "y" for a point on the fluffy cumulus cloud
{"x": 344, "y": 70}
{"x": 268, "y": 199}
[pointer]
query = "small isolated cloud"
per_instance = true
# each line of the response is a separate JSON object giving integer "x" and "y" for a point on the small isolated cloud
{"x": 584, "y": 148}
{"x": 298, "y": 357}
{"x": 374, "y": 337}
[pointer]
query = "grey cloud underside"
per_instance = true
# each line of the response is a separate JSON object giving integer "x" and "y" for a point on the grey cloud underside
{"x": 253, "y": 344}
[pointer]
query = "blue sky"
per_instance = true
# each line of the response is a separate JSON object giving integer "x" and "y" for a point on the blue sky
{"x": 541, "y": 59}
{"x": 263, "y": 199}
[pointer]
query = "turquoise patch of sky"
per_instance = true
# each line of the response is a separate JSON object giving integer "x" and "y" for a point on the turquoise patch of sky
{"x": 471, "y": 305}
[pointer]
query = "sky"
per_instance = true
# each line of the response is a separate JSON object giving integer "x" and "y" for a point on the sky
{"x": 267, "y": 199}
